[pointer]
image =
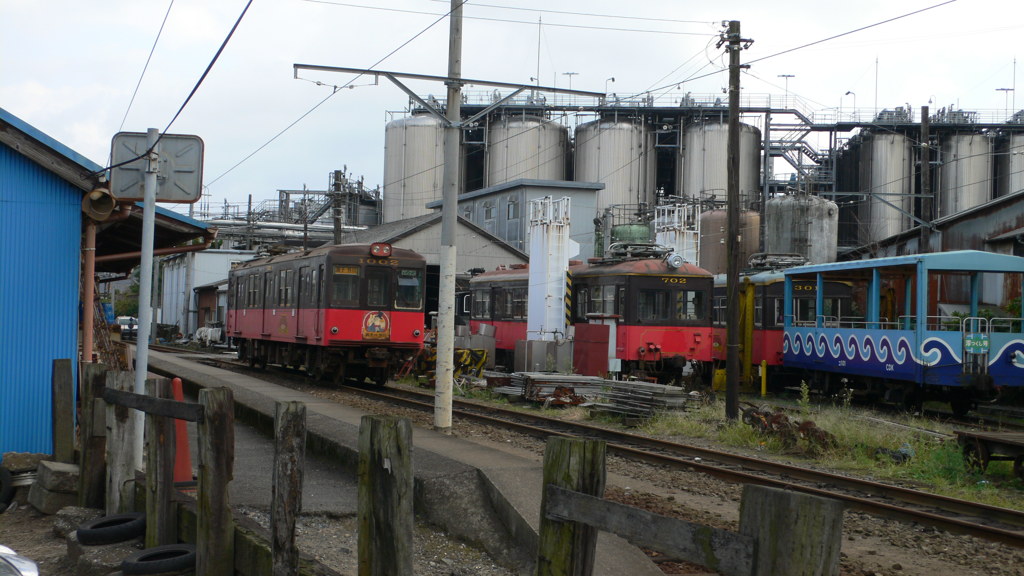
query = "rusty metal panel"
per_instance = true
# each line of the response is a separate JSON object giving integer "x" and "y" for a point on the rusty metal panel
{"x": 40, "y": 236}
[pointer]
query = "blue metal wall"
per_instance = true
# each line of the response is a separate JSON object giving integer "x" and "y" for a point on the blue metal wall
{"x": 40, "y": 236}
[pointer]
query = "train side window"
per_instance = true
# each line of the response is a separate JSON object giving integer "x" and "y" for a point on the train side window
{"x": 252, "y": 289}
{"x": 378, "y": 287}
{"x": 582, "y": 303}
{"x": 345, "y": 286}
{"x": 481, "y": 304}
{"x": 409, "y": 295}
{"x": 268, "y": 289}
{"x": 519, "y": 300}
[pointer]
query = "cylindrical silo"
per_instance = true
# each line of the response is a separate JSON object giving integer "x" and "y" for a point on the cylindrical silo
{"x": 619, "y": 154}
{"x": 802, "y": 224}
{"x": 706, "y": 162}
{"x": 714, "y": 255}
{"x": 965, "y": 174}
{"x": 1011, "y": 165}
{"x": 525, "y": 147}
{"x": 887, "y": 167}
{"x": 413, "y": 165}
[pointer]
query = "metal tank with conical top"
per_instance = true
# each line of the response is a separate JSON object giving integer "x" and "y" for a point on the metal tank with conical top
{"x": 413, "y": 165}
{"x": 620, "y": 154}
{"x": 802, "y": 224}
{"x": 525, "y": 147}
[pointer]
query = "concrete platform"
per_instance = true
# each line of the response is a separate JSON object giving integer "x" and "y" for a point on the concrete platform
{"x": 478, "y": 491}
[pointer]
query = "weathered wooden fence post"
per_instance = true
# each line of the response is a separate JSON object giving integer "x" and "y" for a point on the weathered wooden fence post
{"x": 63, "y": 411}
{"x": 161, "y": 524}
{"x": 385, "y": 496}
{"x": 121, "y": 432}
{"x": 568, "y": 548}
{"x": 289, "y": 459}
{"x": 796, "y": 533}
{"x": 92, "y": 477}
{"x": 215, "y": 530}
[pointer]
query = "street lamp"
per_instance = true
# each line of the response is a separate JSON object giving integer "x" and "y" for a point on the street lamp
{"x": 787, "y": 77}
{"x": 612, "y": 80}
{"x": 570, "y": 75}
{"x": 854, "y": 94}
{"x": 1006, "y": 99}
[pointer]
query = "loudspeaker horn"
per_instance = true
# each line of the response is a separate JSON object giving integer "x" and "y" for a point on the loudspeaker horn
{"x": 98, "y": 204}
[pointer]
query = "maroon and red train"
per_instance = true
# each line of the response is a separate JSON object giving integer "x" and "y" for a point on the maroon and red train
{"x": 346, "y": 311}
{"x": 657, "y": 308}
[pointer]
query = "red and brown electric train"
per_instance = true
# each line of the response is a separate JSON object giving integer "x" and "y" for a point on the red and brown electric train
{"x": 349, "y": 311}
{"x": 656, "y": 305}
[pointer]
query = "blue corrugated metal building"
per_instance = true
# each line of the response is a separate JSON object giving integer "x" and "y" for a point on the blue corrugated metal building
{"x": 42, "y": 183}
{"x": 41, "y": 188}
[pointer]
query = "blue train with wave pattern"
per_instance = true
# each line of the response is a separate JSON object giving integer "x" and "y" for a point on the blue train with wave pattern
{"x": 930, "y": 326}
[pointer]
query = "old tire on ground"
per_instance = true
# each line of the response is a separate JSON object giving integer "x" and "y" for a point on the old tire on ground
{"x": 6, "y": 488}
{"x": 161, "y": 559}
{"x": 112, "y": 529}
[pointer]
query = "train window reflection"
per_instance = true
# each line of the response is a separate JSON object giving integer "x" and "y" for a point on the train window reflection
{"x": 345, "y": 287}
{"x": 410, "y": 289}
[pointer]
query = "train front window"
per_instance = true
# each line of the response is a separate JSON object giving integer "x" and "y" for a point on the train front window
{"x": 410, "y": 289}
{"x": 378, "y": 286}
{"x": 345, "y": 286}
{"x": 689, "y": 305}
{"x": 652, "y": 306}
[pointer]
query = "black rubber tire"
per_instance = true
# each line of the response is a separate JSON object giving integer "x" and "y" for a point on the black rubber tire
{"x": 6, "y": 488}
{"x": 112, "y": 529}
{"x": 160, "y": 559}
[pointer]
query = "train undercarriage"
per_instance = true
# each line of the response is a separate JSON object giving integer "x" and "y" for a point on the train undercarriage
{"x": 328, "y": 364}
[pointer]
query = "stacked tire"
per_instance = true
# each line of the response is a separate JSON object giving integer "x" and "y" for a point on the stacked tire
{"x": 116, "y": 528}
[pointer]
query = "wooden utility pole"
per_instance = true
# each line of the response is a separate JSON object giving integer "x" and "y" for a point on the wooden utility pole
{"x": 927, "y": 203}
{"x": 449, "y": 212}
{"x": 732, "y": 245}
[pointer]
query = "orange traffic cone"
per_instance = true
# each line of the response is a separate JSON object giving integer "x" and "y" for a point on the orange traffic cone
{"x": 182, "y": 458}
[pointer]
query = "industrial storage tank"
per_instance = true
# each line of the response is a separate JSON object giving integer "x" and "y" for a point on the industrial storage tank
{"x": 802, "y": 224}
{"x": 886, "y": 179}
{"x": 620, "y": 154}
{"x": 413, "y": 165}
{"x": 714, "y": 255}
{"x": 706, "y": 162}
{"x": 526, "y": 147}
{"x": 965, "y": 174}
{"x": 1011, "y": 165}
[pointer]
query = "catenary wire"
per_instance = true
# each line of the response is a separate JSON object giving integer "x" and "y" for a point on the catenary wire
{"x": 146, "y": 66}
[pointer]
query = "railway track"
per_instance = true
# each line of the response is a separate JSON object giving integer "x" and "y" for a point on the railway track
{"x": 886, "y": 500}
{"x": 879, "y": 499}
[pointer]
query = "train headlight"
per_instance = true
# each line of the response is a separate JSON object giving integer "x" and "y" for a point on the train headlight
{"x": 416, "y": 333}
{"x": 334, "y": 329}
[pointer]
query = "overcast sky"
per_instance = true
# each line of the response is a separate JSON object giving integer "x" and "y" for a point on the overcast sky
{"x": 70, "y": 67}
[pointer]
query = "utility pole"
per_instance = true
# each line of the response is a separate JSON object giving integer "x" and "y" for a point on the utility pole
{"x": 927, "y": 202}
{"x": 445, "y": 362}
{"x": 732, "y": 361}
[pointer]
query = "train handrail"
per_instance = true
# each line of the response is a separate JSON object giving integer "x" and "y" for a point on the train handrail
{"x": 1009, "y": 322}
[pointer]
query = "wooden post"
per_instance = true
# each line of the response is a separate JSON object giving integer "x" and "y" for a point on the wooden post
{"x": 385, "y": 496}
{"x": 63, "y": 411}
{"x": 215, "y": 531}
{"x": 121, "y": 432}
{"x": 161, "y": 525}
{"x": 568, "y": 548}
{"x": 92, "y": 468}
{"x": 286, "y": 495}
{"x": 795, "y": 533}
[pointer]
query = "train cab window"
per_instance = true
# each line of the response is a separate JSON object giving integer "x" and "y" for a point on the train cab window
{"x": 409, "y": 295}
{"x": 652, "y": 305}
{"x": 345, "y": 286}
{"x": 378, "y": 287}
{"x": 689, "y": 305}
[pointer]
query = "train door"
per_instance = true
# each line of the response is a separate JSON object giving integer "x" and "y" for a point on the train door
{"x": 317, "y": 286}
{"x": 301, "y": 302}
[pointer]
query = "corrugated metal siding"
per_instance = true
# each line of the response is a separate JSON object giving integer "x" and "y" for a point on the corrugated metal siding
{"x": 40, "y": 231}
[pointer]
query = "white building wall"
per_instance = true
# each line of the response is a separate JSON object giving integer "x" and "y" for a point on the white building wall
{"x": 207, "y": 267}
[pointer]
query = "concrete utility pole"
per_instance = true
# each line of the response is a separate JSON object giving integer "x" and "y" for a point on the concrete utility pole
{"x": 732, "y": 360}
{"x": 449, "y": 211}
